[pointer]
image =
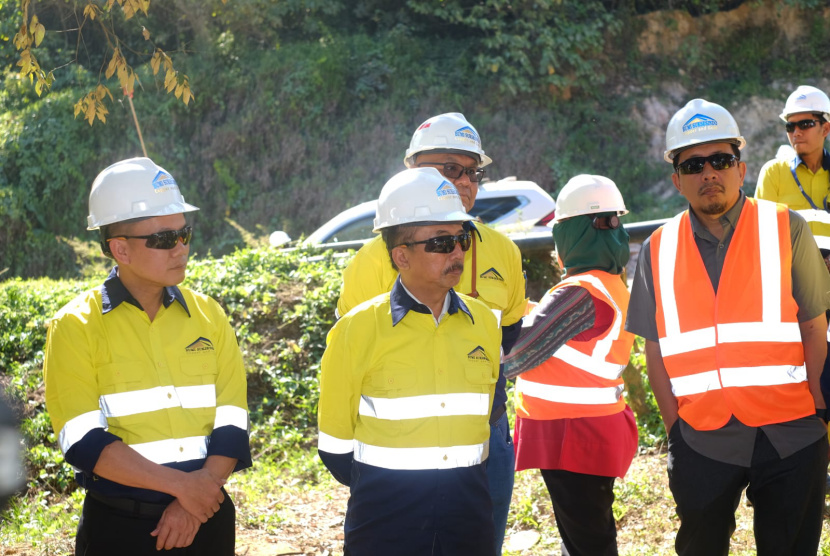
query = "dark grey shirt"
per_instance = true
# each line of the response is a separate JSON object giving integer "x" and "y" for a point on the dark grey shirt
{"x": 733, "y": 443}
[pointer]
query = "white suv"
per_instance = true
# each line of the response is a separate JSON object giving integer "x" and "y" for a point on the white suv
{"x": 508, "y": 205}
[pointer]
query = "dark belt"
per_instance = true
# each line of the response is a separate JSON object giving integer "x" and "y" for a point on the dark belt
{"x": 129, "y": 506}
{"x": 497, "y": 413}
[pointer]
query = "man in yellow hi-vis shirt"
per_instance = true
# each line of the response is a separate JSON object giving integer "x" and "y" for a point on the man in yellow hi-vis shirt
{"x": 407, "y": 385}
{"x": 492, "y": 273}
{"x": 802, "y": 182}
{"x": 145, "y": 384}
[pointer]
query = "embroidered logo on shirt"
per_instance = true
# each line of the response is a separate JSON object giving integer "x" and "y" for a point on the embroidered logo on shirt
{"x": 491, "y": 274}
{"x": 478, "y": 354}
{"x": 202, "y": 344}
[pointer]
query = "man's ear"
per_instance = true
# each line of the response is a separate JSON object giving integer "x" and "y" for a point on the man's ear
{"x": 400, "y": 256}
{"x": 675, "y": 179}
{"x": 120, "y": 251}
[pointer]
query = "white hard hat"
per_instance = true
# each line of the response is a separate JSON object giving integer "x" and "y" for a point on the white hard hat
{"x": 807, "y": 99}
{"x": 418, "y": 195}
{"x": 133, "y": 188}
{"x": 701, "y": 121}
{"x": 588, "y": 194}
{"x": 446, "y": 133}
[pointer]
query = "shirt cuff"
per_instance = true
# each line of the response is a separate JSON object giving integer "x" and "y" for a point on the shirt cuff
{"x": 84, "y": 454}
{"x": 232, "y": 442}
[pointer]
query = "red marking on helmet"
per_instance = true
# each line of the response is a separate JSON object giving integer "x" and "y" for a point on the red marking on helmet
{"x": 423, "y": 126}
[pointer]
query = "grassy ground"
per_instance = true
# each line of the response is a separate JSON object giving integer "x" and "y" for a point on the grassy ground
{"x": 291, "y": 506}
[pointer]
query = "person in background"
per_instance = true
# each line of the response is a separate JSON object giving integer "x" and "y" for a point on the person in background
{"x": 492, "y": 273}
{"x": 145, "y": 384}
{"x": 407, "y": 384}
{"x": 571, "y": 420}
{"x": 802, "y": 182}
{"x": 730, "y": 296}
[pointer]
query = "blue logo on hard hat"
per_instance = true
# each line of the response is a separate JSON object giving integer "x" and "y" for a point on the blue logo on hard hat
{"x": 699, "y": 122}
{"x": 446, "y": 189}
{"x": 164, "y": 182}
{"x": 468, "y": 133}
{"x": 802, "y": 97}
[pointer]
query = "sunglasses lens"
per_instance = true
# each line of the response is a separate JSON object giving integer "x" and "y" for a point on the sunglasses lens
{"x": 453, "y": 171}
{"x": 692, "y": 166}
{"x": 475, "y": 175}
{"x": 169, "y": 239}
{"x": 721, "y": 161}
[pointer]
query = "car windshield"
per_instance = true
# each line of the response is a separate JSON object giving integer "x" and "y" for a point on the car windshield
{"x": 488, "y": 210}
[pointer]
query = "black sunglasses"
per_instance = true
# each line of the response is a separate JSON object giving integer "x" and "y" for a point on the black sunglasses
{"x": 454, "y": 171}
{"x": 718, "y": 161}
{"x": 801, "y": 124}
{"x": 163, "y": 240}
{"x": 444, "y": 244}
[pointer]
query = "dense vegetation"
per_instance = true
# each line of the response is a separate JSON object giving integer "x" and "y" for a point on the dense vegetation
{"x": 304, "y": 107}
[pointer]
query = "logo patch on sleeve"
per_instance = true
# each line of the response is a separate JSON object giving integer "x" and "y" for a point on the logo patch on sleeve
{"x": 478, "y": 355}
{"x": 492, "y": 274}
{"x": 202, "y": 344}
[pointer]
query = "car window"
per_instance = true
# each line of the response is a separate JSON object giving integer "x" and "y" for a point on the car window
{"x": 488, "y": 210}
{"x": 354, "y": 231}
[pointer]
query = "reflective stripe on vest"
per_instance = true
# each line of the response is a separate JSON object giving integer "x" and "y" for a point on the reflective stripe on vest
{"x": 420, "y": 407}
{"x": 431, "y": 457}
{"x": 582, "y": 379}
{"x": 738, "y": 351}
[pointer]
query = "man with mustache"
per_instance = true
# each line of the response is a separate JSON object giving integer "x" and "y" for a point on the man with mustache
{"x": 730, "y": 296}
{"x": 492, "y": 273}
{"x": 145, "y": 384}
{"x": 407, "y": 384}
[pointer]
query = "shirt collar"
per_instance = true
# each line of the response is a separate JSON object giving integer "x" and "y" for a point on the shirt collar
{"x": 825, "y": 161}
{"x": 401, "y": 303}
{"x": 728, "y": 220}
{"x": 114, "y": 293}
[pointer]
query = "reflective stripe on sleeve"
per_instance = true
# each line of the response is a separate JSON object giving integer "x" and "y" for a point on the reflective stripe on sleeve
{"x": 173, "y": 449}
{"x": 695, "y": 384}
{"x": 332, "y": 445}
{"x": 763, "y": 376}
{"x": 419, "y": 407}
{"x": 75, "y": 429}
{"x": 603, "y": 369}
{"x": 231, "y": 415}
{"x": 160, "y": 397}
{"x": 432, "y": 457}
{"x": 569, "y": 394}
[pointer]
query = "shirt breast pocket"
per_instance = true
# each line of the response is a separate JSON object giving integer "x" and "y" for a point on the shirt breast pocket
{"x": 494, "y": 293}
{"x": 199, "y": 369}
{"x": 121, "y": 377}
{"x": 481, "y": 377}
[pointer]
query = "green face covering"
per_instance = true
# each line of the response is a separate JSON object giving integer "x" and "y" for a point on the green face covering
{"x": 582, "y": 247}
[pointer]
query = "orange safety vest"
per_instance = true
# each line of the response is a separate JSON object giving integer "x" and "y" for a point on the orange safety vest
{"x": 738, "y": 351}
{"x": 582, "y": 379}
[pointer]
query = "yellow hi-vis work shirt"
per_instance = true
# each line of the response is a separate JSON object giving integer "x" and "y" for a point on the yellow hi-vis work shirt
{"x": 499, "y": 279}
{"x": 173, "y": 389}
{"x": 776, "y": 183}
{"x": 401, "y": 393}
